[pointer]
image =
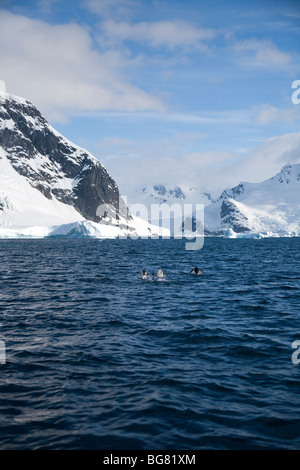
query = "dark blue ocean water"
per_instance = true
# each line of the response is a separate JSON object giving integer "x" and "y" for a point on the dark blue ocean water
{"x": 98, "y": 358}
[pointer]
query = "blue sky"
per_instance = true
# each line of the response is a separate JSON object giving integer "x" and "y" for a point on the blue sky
{"x": 192, "y": 93}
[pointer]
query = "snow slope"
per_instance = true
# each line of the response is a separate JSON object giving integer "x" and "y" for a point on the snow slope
{"x": 23, "y": 205}
{"x": 160, "y": 194}
{"x": 271, "y": 208}
{"x": 26, "y": 213}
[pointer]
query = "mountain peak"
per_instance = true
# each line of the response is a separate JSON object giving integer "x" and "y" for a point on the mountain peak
{"x": 289, "y": 173}
{"x": 4, "y": 96}
{"x": 161, "y": 193}
{"x": 53, "y": 165}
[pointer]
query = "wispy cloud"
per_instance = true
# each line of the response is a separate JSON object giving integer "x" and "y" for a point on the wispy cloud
{"x": 166, "y": 34}
{"x": 268, "y": 114}
{"x": 111, "y": 8}
{"x": 239, "y": 116}
{"x": 267, "y": 159}
{"x": 256, "y": 53}
{"x": 45, "y": 6}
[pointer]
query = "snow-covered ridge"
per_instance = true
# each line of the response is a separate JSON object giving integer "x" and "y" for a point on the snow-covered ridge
{"x": 4, "y": 96}
{"x": 161, "y": 194}
{"x": 271, "y": 207}
{"x": 253, "y": 210}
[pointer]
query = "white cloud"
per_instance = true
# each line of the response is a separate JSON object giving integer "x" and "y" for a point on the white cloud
{"x": 190, "y": 169}
{"x": 164, "y": 161}
{"x": 115, "y": 8}
{"x": 268, "y": 158}
{"x": 169, "y": 34}
{"x": 260, "y": 53}
{"x": 45, "y": 6}
{"x": 268, "y": 114}
{"x": 57, "y": 68}
{"x": 167, "y": 162}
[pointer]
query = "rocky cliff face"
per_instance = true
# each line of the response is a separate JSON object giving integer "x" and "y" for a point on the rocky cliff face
{"x": 52, "y": 164}
{"x": 231, "y": 217}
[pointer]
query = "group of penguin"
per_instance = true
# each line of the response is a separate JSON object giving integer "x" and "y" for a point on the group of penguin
{"x": 160, "y": 274}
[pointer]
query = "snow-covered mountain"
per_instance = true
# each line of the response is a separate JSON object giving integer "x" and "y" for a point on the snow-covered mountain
{"x": 174, "y": 204}
{"x": 160, "y": 194}
{"x": 50, "y": 186}
{"x": 270, "y": 208}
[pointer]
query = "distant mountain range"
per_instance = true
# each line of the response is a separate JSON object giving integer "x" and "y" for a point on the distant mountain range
{"x": 270, "y": 208}
{"x": 50, "y": 186}
{"x": 160, "y": 194}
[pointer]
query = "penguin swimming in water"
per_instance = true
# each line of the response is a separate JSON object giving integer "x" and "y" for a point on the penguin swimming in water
{"x": 160, "y": 273}
{"x": 144, "y": 274}
{"x": 196, "y": 271}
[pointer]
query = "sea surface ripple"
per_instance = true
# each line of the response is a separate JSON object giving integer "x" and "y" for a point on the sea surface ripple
{"x": 98, "y": 358}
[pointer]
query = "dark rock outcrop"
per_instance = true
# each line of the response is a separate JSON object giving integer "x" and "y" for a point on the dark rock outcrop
{"x": 231, "y": 217}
